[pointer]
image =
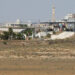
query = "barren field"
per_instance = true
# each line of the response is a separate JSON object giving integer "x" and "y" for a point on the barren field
{"x": 37, "y": 57}
{"x": 43, "y": 67}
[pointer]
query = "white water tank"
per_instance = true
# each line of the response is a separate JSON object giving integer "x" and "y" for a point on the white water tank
{"x": 18, "y": 21}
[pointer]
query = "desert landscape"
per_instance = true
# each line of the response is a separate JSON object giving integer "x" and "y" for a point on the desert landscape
{"x": 35, "y": 57}
{"x": 37, "y": 37}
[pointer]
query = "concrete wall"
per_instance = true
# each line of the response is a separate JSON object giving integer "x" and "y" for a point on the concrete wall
{"x": 14, "y": 30}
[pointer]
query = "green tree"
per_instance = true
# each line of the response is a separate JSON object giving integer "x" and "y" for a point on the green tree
{"x": 8, "y": 35}
{"x": 23, "y": 25}
{"x": 49, "y": 35}
{"x": 20, "y": 36}
{"x": 10, "y": 31}
{"x": 5, "y": 35}
{"x": 28, "y": 31}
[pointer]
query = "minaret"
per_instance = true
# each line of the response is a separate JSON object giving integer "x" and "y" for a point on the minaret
{"x": 53, "y": 13}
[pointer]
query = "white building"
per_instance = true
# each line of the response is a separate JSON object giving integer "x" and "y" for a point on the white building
{"x": 69, "y": 16}
{"x": 17, "y": 23}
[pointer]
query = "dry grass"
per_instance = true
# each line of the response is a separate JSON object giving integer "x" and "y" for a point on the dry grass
{"x": 37, "y": 57}
{"x": 35, "y": 48}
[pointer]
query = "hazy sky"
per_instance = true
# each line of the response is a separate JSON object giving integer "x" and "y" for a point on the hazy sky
{"x": 34, "y": 10}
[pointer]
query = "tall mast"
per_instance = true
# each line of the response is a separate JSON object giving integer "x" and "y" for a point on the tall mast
{"x": 53, "y": 13}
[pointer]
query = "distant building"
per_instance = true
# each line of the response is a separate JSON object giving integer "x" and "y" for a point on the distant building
{"x": 16, "y": 24}
{"x": 70, "y": 17}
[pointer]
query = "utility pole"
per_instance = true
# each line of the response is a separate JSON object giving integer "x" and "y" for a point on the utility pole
{"x": 74, "y": 26}
{"x": 74, "y": 23}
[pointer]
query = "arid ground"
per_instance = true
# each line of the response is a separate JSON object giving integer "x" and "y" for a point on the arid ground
{"x": 37, "y": 57}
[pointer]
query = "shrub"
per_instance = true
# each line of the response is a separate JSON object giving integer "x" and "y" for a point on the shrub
{"x": 49, "y": 35}
{"x": 54, "y": 32}
{"x": 4, "y": 42}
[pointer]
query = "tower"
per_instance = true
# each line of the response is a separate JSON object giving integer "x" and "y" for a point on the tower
{"x": 53, "y": 13}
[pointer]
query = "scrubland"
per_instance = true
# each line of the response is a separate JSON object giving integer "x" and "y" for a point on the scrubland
{"x": 37, "y": 57}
